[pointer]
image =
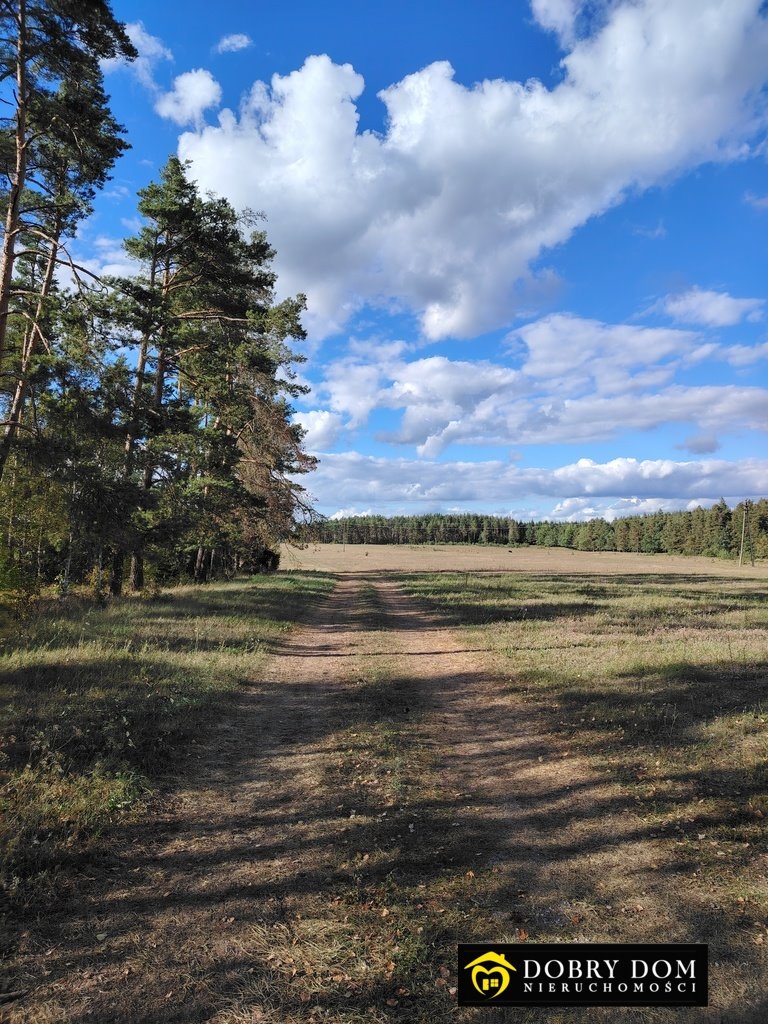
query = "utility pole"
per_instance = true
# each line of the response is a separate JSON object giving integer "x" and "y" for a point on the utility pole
{"x": 743, "y": 532}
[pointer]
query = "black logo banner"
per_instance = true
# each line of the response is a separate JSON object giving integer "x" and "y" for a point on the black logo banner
{"x": 583, "y": 974}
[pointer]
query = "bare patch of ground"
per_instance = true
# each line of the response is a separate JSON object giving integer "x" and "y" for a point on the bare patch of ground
{"x": 377, "y": 796}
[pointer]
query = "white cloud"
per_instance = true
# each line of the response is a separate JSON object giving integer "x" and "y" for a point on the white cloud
{"x": 573, "y": 351}
{"x": 446, "y": 400}
{"x": 559, "y": 16}
{"x": 359, "y": 481}
{"x": 594, "y": 418}
{"x": 192, "y": 94}
{"x": 352, "y": 389}
{"x": 151, "y": 51}
{"x": 758, "y": 202}
{"x": 233, "y": 43}
{"x": 578, "y": 381}
{"x": 322, "y": 428}
{"x": 345, "y": 513}
{"x": 576, "y": 510}
{"x": 744, "y": 355}
{"x": 447, "y": 211}
{"x": 117, "y": 192}
{"x": 711, "y": 309}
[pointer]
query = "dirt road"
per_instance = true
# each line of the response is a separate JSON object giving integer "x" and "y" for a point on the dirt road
{"x": 378, "y": 795}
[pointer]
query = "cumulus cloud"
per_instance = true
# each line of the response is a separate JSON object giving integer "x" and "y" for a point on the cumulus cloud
{"x": 192, "y": 94}
{"x": 447, "y": 212}
{"x": 345, "y": 513}
{"x": 446, "y": 400}
{"x": 577, "y": 381}
{"x": 322, "y": 428}
{"x": 151, "y": 51}
{"x": 711, "y": 309}
{"x": 595, "y": 418}
{"x": 233, "y": 43}
{"x": 559, "y": 16}
{"x": 354, "y": 480}
{"x": 576, "y": 510}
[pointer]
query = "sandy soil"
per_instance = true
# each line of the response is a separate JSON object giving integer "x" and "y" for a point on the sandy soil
{"x": 264, "y": 838}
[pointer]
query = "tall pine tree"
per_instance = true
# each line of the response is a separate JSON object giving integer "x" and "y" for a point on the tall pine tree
{"x": 57, "y": 144}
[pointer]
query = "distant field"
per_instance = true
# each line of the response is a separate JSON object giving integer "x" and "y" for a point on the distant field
{"x": 472, "y": 558}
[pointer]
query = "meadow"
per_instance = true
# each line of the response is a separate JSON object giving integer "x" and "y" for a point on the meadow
{"x": 102, "y": 705}
{"x": 316, "y": 783}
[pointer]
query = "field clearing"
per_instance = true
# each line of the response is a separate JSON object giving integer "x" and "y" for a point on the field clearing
{"x": 476, "y": 558}
{"x": 401, "y": 759}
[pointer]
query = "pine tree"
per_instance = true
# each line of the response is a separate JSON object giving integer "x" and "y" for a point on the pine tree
{"x": 58, "y": 144}
{"x": 207, "y": 390}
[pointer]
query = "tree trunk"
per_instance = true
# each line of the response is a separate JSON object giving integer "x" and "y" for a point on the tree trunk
{"x": 116, "y": 578}
{"x": 31, "y": 338}
{"x": 137, "y": 572}
{"x": 200, "y": 565}
{"x": 12, "y": 218}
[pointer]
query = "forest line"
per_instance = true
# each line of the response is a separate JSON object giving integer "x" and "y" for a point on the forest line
{"x": 716, "y": 532}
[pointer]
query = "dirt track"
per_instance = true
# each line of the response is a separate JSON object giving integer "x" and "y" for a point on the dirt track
{"x": 235, "y": 903}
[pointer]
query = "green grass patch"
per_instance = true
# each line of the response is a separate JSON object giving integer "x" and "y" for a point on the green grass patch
{"x": 99, "y": 705}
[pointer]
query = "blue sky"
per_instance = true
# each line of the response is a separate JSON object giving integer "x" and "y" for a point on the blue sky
{"x": 533, "y": 236}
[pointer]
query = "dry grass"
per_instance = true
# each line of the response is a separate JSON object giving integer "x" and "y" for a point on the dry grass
{"x": 542, "y": 757}
{"x": 99, "y": 705}
{"x": 475, "y": 558}
{"x": 659, "y": 682}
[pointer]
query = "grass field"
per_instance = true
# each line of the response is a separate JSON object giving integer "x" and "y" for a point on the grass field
{"x": 662, "y": 681}
{"x": 574, "y": 749}
{"x": 98, "y": 705}
{"x": 479, "y": 558}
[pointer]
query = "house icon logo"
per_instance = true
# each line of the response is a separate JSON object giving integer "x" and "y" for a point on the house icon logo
{"x": 490, "y": 981}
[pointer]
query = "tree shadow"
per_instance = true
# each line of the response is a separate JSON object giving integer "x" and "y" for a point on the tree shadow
{"x": 208, "y": 900}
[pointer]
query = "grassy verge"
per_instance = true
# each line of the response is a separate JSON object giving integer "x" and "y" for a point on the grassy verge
{"x": 661, "y": 682}
{"x": 99, "y": 705}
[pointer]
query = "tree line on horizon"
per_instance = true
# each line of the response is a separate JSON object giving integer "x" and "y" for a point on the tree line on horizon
{"x": 715, "y": 532}
{"x": 145, "y": 419}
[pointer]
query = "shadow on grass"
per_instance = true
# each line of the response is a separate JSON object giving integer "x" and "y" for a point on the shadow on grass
{"x": 97, "y": 706}
{"x": 445, "y": 866}
{"x": 420, "y": 867}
